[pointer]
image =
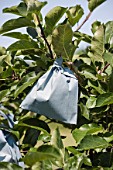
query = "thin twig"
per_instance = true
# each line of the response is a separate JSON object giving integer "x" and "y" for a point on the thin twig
{"x": 43, "y": 36}
{"x": 87, "y": 17}
{"x": 105, "y": 67}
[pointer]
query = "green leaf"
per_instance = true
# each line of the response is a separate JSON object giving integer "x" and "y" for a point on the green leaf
{"x": 45, "y": 165}
{"x": 88, "y": 71}
{"x": 93, "y": 142}
{"x": 29, "y": 82}
{"x": 84, "y": 110}
{"x": 109, "y": 33}
{"x": 22, "y": 9}
{"x": 56, "y": 139}
{"x": 85, "y": 130}
{"x": 34, "y": 6}
{"x": 12, "y": 10}
{"x": 91, "y": 102}
{"x": 52, "y": 17}
{"x": 23, "y": 45}
{"x": 95, "y": 26}
{"x": 36, "y": 122}
{"x": 109, "y": 58}
{"x": 44, "y": 152}
{"x": 16, "y": 23}
{"x": 2, "y": 51}
{"x": 104, "y": 99}
{"x": 92, "y": 4}
{"x": 4, "y": 93}
{"x": 74, "y": 14}
{"x": 9, "y": 166}
{"x": 97, "y": 45}
{"x": 81, "y": 36}
{"x": 96, "y": 85}
{"x": 16, "y": 35}
{"x": 110, "y": 82}
{"x": 62, "y": 41}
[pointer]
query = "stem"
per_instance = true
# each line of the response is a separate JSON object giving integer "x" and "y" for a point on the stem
{"x": 43, "y": 35}
{"x": 87, "y": 17}
{"x": 105, "y": 67}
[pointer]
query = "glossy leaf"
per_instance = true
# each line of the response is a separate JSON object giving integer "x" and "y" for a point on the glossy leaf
{"x": 109, "y": 32}
{"x": 62, "y": 41}
{"x": 52, "y": 17}
{"x": 9, "y": 166}
{"x": 85, "y": 130}
{"x": 88, "y": 71}
{"x": 91, "y": 102}
{"x": 56, "y": 139}
{"x": 22, "y": 9}
{"x": 12, "y": 10}
{"x": 4, "y": 93}
{"x": 93, "y": 142}
{"x": 84, "y": 111}
{"x": 74, "y": 14}
{"x": 23, "y": 45}
{"x": 16, "y": 23}
{"x": 97, "y": 45}
{"x": 104, "y": 99}
{"x": 34, "y": 6}
{"x": 16, "y": 35}
{"x": 44, "y": 152}
{"x": 92, "y": 4}
{"x": 109, "y": 58}
{"x": 95, "y": 26}
{"x": 84, "y": 37}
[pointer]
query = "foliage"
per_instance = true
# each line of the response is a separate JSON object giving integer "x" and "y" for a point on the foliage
{"x": 24, "y": 61}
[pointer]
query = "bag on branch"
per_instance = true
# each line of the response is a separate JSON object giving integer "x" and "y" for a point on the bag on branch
{"x": 55, "y": 94}
{"x": 9, "y": 150}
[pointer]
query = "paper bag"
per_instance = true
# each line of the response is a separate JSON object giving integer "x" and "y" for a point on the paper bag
{"x": 55, "y": 94}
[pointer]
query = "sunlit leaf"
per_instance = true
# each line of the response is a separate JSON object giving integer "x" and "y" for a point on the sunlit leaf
{"x": 74, "y": 14}
{"x": 62, "y": 41}
{"x": 9, "y": 166}
{"x": 95, "y": 26}
{"x": 85, "y": 130}
{"x": 92, "y": 4}
{"x": 91, "y": 102}
{"x": 52, "y": 17}
{"x": 84, "y": 37}
{"x": 93, "y": 142}
{"x": 22, "y": 9}
{"x": 44, "y": 152}
{"x": 23, "y": 45}
{"x": 109, "y": 58}
{"x": 16, "y": 35}
{"x": 12, "y": 10}
{"x": 16, "y": 23}
{"x": 56, "y": 139}
{"x": 104, "y": 99}
{"x": 3, "y": 93}
{"x": 34, "y": 6}
{"x": 97, "y": 45}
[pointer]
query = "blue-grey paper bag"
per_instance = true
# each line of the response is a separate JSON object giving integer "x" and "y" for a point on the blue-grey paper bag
{"x": 9, "y": 150}
{"x": 55, "y": 94}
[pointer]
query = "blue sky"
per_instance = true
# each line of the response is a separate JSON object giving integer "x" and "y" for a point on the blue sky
{"x": 103, "y": 13}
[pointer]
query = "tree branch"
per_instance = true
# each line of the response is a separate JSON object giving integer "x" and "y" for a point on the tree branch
{"x": 87, "y": 17}
{"x": 43, "y": 35}
{"x": 105, "y": 67}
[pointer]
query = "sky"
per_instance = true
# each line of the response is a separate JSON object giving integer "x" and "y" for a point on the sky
{"x": 103, "y": 13}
